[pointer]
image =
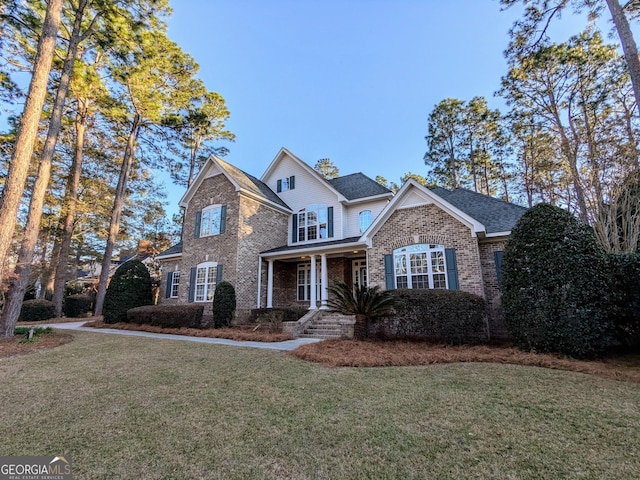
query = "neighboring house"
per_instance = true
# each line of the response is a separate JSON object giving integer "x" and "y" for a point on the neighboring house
{"x": 283, "y": 238}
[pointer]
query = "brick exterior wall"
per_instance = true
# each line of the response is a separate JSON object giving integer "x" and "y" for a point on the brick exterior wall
{"x": 170, "y": 265}
{"x": 251, "y": 227}
{"x": 497, "y": 327}
{"x": 427, "y": 224}
{"x": 259, "y": 228}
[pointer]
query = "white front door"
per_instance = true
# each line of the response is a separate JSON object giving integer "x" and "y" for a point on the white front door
{"x": 359, "y": 268}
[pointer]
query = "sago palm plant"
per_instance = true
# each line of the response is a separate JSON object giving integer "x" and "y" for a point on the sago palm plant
{"x": 366, "y": 303}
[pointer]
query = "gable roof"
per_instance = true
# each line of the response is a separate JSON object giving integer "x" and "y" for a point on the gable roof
{"x": 484, "y": 215}
{"x": 242, "y": 181}
{"x": 358, "y": 185}
{"x": 495, "y": 214}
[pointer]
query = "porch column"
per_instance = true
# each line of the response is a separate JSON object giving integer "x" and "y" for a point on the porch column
{"x": 313, "y": 300}
{"x": 270, "y": 284}
{"x": 324, "y": 279}
{"x": 259, "y": 302}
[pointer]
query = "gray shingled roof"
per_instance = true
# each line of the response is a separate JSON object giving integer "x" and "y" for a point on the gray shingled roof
{"x": 358, "y": 185}
{"x": 251, "y": 184}
{"x": 173, "y": 250}
{"x": 495, "y": 214}
{"x": 286, "y": 248}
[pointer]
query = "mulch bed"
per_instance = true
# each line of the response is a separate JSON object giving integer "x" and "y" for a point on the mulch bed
{"x": 12, "y": 346}
{"x": 351, "y": 353}
{"x": 237, "y": 333}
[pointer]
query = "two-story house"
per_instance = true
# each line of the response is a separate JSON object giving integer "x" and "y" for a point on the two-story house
{"x": 283, "y": 238}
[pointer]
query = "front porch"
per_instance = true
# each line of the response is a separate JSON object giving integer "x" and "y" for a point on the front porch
{"x": 300, "y": 275}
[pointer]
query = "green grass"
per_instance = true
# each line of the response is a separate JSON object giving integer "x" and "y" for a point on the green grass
{"x": 126, "y": 407}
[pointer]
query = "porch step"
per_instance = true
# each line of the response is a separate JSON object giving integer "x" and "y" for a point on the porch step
{"x": 328, "y": 326}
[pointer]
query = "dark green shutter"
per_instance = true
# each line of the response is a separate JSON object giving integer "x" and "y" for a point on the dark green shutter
{"x": 389, "y": 274}
{"x": 330, "y": 222}
{"x": 223, "y": 218}
{"x": 294, "y": 228}
{"x": 196, "y": 233}
{"x": 192, "y": 284}
{"x": 452, "y": 268}
{"x": 169, "y": 282}
{"x": 219, "y": 273}
{"x": 292, "y": 182}
{"x": 279, "y": 186}
{"x": 497, "y": 258}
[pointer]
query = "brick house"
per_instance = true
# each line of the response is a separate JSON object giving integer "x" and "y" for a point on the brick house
{"x": 281, "y": 239}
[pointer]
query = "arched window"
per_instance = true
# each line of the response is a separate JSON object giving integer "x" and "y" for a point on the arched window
{"x": 365, "y": 218}
{"x": 211, "y": 220}
{"x": 420, "y": 266}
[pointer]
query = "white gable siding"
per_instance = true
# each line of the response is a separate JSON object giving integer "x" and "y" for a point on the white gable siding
{"x": 352, "y": 215}
{"x": 309, "y": 190}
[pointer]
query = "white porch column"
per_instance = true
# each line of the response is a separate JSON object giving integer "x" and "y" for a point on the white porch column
{"x": 259, "y": 302}
{"x": 313, "y": 300}
{"x": 324, "y": 279}
{"x": 270, "y": 284}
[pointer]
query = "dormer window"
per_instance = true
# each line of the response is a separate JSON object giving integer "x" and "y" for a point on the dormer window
{"x": 287, "y": 183}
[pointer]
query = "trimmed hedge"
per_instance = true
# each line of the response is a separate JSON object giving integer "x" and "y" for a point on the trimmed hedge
{"x": 224, "y": 304}
{"x": 36, "y": 310}
{"x": 77, "y": 305}
{"x": 130, "y": 287}
{"x": 555, "y": 285}
{"x": 624, "y": 310}
{"x": 282, "y": 314}
{"x": 449, "y": 316}
{"x": 170, "y": 316}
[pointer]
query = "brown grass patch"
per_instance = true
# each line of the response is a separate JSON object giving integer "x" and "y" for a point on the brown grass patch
{"x": 351, "y": 353}
{"x": 12, "y": 346}
{"x": 234, "y": 333}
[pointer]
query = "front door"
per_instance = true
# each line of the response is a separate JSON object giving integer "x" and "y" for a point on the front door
{"x": 359, "y": 268}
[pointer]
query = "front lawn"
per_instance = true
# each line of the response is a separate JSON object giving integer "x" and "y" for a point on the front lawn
{"x": 129, "y": 407}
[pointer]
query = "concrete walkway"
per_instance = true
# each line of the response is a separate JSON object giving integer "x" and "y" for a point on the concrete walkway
{"x": 285, "y": 346}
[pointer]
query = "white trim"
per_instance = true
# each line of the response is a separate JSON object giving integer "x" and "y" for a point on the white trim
{"x": 171, "y": 255}
{"x": 380, "y": 196}
{"x": 298, "y": 252}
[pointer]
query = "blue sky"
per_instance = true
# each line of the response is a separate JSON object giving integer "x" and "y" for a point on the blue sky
{"x": 351, "y": 80}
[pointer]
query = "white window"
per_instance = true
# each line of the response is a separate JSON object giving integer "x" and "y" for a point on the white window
{"x": 365, "y": 219}
{"x": 211, "y": 220}
{"x": 359, "y": 268}
{"x": 304, "y": 282}
{"x": 312, "y": 223}
{"x": 205, "y": 282}
{"x": 175, "y": 284}
{"x": 420, "y": 266}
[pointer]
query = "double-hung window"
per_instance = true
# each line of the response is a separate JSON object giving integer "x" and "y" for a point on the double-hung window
{"x": 205, "y": 282}
{"x": 175, "y": 284}
{"x": 304, "y": 282}
{"x": 420, "y": 266}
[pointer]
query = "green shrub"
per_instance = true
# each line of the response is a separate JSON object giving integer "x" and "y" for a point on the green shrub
{"x": 624, "y": 309}
{"x": 555, "y": 285}
{"x": 278, "y": 314}
{"x": 224, "y": 304}
{"x": 449, "y": 316}
{"x": 169, "y": 316}
{"x": 130, "y": 287}
{"x": 366, "y": 303}
{"x": 74, "y": 287}
{"x": 36, "y": 310}
{"x": 77, "y": 305}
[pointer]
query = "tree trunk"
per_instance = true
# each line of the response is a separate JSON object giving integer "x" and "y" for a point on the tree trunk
{"x": 118, "y": 202}
{"x": 25, "y": 256}
{"x": 17, "y": 174}
{"x": 628, "y": 44}
{"x": 361, "y": 328}
{"x": 69, "y": 210}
